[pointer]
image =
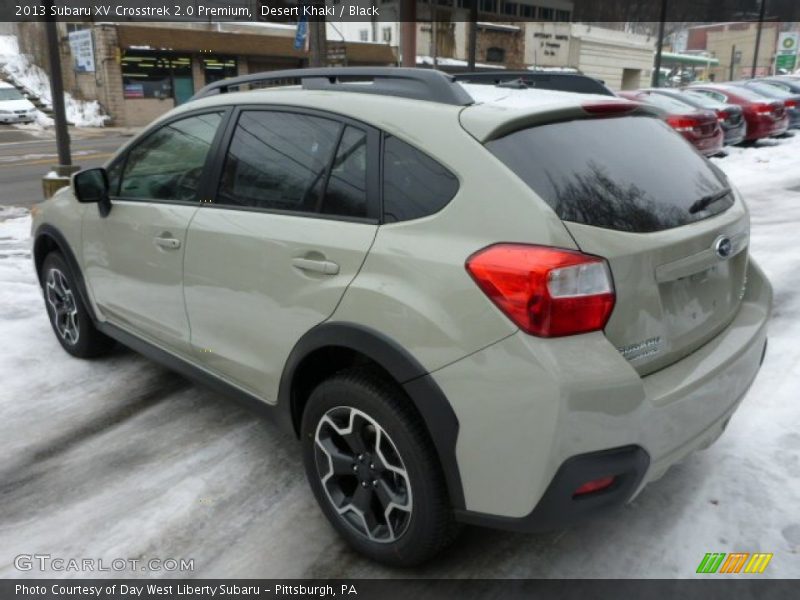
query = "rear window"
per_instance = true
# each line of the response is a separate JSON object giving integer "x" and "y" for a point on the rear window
{"x": 672, "y": 105}
{"x": 629, "y": 173}
{"x": 703, "y": 100}
{"x": 750, "y": 95}
{"x": 769, "y": 90}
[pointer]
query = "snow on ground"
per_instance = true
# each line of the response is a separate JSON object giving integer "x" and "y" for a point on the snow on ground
{"x": 120, "y": 458}
{"x": 82, "y": 113}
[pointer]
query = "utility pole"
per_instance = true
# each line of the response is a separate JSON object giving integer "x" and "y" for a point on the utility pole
{"x": 317, "y": 43}
{"x": 733, "y": 60}
{"x": 408, "y": 33}
{"x": 659, "y": 44}
{"x": 761, "y": 11}
{"x": 64, "y": 168}
{"x": 473, "y": 35}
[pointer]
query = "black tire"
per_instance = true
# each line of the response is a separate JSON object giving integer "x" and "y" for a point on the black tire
{"x": 77, "y": 335}
{"x": 428, "y": 527}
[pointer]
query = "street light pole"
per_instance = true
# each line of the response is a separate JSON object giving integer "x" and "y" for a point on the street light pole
{"x": 657, "y": 67}
{"x": 64, "y": 167}
{"x": 473, "y": 35}
{"x": 761, "y": 12}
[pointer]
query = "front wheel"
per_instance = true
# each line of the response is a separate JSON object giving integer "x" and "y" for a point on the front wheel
{"x": 374, "y": 471}
{"x": 68, "y": 316}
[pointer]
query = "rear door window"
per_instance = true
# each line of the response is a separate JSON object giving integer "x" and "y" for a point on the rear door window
{"x": 629, "y": 174}
{"x": 346, "y": 193}
{"x": 278, "y": 161}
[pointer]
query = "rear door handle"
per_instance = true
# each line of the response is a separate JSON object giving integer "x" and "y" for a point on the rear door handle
{"x": 168, "y": 243}
{"x": 325, "y": 267}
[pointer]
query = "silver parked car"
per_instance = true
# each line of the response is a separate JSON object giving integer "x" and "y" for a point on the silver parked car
{"x": 514, "y": 312}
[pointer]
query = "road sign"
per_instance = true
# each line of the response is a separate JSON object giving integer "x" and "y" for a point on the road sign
{"x": 786, "y": 56}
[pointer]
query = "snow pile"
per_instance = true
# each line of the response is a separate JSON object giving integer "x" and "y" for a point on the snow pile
{"x": 82, "y": 113}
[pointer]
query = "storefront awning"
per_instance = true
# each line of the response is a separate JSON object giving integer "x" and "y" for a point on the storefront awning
{"x": 671, "y": 58}
{"x": 247, "y": 44}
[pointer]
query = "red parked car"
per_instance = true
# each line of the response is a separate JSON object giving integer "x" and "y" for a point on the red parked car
{"x": 700, "y": 127}
{"x": 765, "y": 117}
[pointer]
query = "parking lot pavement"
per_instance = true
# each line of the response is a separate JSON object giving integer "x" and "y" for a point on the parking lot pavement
{"x": 119, "y": 458}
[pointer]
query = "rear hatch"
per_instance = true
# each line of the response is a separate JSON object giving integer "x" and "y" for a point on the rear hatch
{"x": 631, "y": 190}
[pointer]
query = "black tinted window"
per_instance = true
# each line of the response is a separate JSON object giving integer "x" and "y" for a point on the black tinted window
{"x": 278, "y": 160}
{"x": 346, "y": 194}
{"x": 414, "y": 185}
{"x": 168, "y": 164}
{"x": 566, "y": 83}
{"x": 630, "y": 173}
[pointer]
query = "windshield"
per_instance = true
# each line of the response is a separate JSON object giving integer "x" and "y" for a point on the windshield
{"x": 10, "y": 94}
{"x": 603, "y": 172}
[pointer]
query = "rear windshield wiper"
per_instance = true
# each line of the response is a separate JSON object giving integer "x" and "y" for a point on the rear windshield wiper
{"x": 706, "y": 201}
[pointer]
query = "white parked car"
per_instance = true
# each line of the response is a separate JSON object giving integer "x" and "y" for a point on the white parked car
{"x": 14, "y": 107}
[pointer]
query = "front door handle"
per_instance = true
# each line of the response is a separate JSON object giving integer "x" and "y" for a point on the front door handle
{"x": 168, "y": 243}
{"x": 325, "y": 267}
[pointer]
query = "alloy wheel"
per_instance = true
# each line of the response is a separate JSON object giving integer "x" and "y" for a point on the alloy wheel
{"x": 64, "y": 306}
{"x": 363, "y": 474}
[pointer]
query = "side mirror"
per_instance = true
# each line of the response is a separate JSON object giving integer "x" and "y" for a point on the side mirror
{"x": 91, "y": 187}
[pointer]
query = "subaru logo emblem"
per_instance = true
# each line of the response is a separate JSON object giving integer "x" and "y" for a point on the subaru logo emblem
{"x": 723, "y": 247}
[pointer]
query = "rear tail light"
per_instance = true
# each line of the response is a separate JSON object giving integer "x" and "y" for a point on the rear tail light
{"x": 594, "y": 486}
{"x": 764, "y": 108}
{"x": 790, "y": 104}
{"x": 722, "y": 115}
{"x": 683, "y": 123}
{"x": 547, "y": 292}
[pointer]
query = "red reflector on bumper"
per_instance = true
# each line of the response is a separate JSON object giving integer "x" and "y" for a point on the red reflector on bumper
{"x": 594, "y": 486}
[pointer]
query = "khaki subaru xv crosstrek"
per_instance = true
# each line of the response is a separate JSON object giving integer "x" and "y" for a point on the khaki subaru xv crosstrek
{"x": 506, "y": 313}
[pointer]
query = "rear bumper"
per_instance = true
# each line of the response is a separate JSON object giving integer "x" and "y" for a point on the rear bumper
{"x": 766, "y": 127}
{"x": 530, "y": 410}
{"x": 736, "y": 134}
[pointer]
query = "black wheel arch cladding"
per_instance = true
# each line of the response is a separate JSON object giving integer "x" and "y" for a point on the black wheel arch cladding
{"x": 428, "y": 399}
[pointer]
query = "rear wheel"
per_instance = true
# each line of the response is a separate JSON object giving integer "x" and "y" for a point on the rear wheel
{"x": 68, "y": 316}
{"x": 373, "y": 469}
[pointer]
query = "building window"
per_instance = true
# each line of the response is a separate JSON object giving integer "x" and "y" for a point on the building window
{"x": 546, "y": 14}
{"x": 488, "y": 6}
{"x": 526, "y": 11}
{"x": 495, "y": 54}
{"x": 562, "y": 15}
{"x": 363, "y": 35}
{"x": 147, "y": 74}
{"x": 219, "y": 67}
{"x": 510, "y": 8}
{"x": 387, "y": 35}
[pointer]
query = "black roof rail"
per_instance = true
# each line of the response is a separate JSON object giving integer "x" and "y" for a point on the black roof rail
{"x": 419, "y": 84}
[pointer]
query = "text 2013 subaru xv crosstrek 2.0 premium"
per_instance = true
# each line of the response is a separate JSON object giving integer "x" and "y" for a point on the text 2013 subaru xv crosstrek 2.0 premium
{"x": 511, "y": 314}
